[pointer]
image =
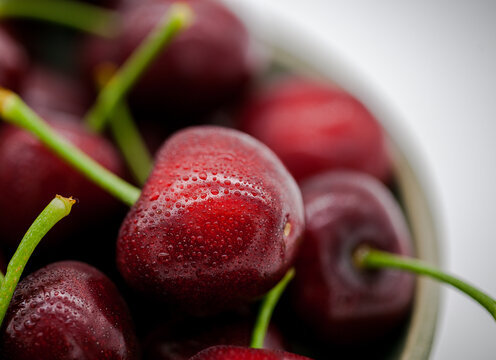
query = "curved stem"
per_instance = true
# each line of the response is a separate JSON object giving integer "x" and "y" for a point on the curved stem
{"x": 177, "y": 18}
{"x": 125, "y": 131}
{"x": 57, "y": 209}
{"x": 267, "y": 308}
{"x": 13, "y": 110}
{"x": 367, "y": 258}
{"x": 72, "y": 14}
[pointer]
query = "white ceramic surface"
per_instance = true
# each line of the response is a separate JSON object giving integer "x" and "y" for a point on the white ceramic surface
{"x": 433, "y": 64}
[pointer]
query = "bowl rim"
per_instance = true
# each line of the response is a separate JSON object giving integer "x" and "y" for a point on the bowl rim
{"x": 293, "y": 47}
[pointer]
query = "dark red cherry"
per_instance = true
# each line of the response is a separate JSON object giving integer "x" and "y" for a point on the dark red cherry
{"x": 243, "y": 353}
{"x": 44, "y": 88}
{"x": 30, "y": 176}
{"x": 68, "y": 310}
{"x": 341, "y": 303}
{"x": 217, "y": 224}
{"x": 182, "y": 340}
{"x": 207, "y": 65}
{"x": 13, "y": 61}
{"x": 315, "y": 127}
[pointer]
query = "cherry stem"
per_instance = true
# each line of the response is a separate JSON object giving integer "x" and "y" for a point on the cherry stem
{"x": 126, "y": 133}
{"x": 57, "y": 209}
{"x": 129, "y": 141}
{"x": 267, "y": 308}
{"x": 13, "y": 110}
{"x": 367, "y": 258}
{"x": 178, "y": 17}
{"x": 72, "y": 14}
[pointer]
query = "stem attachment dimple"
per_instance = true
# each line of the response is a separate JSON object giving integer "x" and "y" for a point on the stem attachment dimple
{"x": 56, "y": 210}
{"x": 365, "y": 257}
{"x": 176, "y": 19}
{"x": 267, "y": 308}
{"x": 13, "y": 110}
{"x": 73, "y": 14}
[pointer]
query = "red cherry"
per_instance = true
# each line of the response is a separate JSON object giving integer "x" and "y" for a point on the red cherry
{"x": 30, "y": 176}
{"x": 68, "y": 310}
{"x": 242, "y": 353}
{"x": 44, "y": 88}
{"x": 207, "y": 65}
{"x": 344, "y": 210}
{"x": 314, "y": 127}
{"x": 13, "y": 61}
{"x": 217, "y": 223}
{"x": 182, "y": 340}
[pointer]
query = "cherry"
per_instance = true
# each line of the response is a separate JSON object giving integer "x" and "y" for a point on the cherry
{"x": 44, "y": 88}
{"x": 68, "y": 310}
{"x": 241, "y": 353}
{"x": 183, "y": 340}
{"x": 345, "y": 210}
{"x": 209, "y": 64}
{"x": 217, "y": 223}
{"x": 314, "y": 127}
{"x": 30, "y": 175}
{"x": 13, "y": 61}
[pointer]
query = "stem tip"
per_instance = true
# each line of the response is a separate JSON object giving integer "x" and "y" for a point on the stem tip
{"x": 183, "y": 12}
{"x": 5, "y": 94}
{"x": 360, "y": 255}
{"x": 66, "y": 203}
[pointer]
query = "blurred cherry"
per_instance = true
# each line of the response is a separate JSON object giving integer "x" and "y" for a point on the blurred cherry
{"x": 340, "y": 302}
{"x": 30, "y": 176}
{"x": 315, "y": 127}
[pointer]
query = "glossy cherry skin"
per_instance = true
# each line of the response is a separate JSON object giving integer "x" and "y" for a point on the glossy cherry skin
{"x": 44, "y": 88}
{"x": 68, "y": 310}
{"x": 217, "y": 224}
{"x": 341, "y": 303}
{"x": 207, "y": 65}
{"x": 13, "y": 61}
{"x": 314, "y": 127}
{"x": 30, "y": 176}
{"x": 244, "y": 353}
{"x": 183, "y": 340}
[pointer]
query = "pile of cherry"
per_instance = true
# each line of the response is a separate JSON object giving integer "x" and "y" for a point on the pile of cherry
{"x": 295, "y": 173}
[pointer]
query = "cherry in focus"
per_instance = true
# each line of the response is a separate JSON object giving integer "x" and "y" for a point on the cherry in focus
{"x": 243, "y": 353}
{"x": 217, "y": 223}
{"x": 68, "y": 310}
{"x": 30, "y": 176}
{"x": 314, "y": 127}
{"x": 340, "y": 302}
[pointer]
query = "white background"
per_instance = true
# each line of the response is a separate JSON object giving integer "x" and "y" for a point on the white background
{"x": 434, "y": 62}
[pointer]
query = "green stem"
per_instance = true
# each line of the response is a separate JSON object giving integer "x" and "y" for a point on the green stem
{"x": 72, "y": 14}
{"x": 125, "y": 131}
{"x": 177, "y": 18}
{"x": 365, "y": 257}
{"x": 129, "y": 141}
{"x": 57, "y": 209}
{"x": 267, "y": 308}
{"x": 13, "y": 110}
